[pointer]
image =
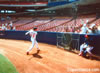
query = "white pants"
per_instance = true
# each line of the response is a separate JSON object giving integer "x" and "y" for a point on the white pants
{"x": 82, "y": 47}
{"x": 89, "y": 50}
{"x": 34, "y": 42}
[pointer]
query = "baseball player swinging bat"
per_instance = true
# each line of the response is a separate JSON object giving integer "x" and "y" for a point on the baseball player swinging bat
{"x": 33, "y": 35}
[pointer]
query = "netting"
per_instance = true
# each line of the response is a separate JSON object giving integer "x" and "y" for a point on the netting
{"x": 68, "y": 41}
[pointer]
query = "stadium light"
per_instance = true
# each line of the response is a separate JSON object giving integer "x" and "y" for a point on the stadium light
{"x": 7, "y": 11}
{"x": 31, "y": 10}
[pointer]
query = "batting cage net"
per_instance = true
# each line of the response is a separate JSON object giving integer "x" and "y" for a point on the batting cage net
{"x": 69, "y": 41}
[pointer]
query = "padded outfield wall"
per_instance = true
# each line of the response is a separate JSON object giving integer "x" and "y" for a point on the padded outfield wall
{"x": 55, "y": 38}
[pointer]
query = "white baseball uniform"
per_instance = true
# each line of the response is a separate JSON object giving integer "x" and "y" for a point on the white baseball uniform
{"x": 33, "y": 35}
{"x": 88, "y": 49}
{"x": 83, "y": 29}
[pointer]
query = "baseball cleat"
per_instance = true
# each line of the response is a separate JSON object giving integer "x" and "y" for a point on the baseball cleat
{"x": 38, "y": 51}
{"x": 27, "y": 53}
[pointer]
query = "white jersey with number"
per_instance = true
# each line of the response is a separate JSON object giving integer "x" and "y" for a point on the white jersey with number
{"x": 32, "y": 34}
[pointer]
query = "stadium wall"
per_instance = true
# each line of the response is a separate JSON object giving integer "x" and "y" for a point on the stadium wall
{"x": 45, "y": 37}
{"x": 52, "y": 38}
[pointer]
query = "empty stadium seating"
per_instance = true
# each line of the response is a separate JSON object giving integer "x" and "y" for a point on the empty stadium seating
{"x": 51, "y": 24}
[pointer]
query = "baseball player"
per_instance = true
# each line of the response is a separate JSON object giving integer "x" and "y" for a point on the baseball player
{"x": 84, "y": 28}
{"x": 86, "y": 47}
{"x": 83, "y": 49}
{"x": 33, "y": 35}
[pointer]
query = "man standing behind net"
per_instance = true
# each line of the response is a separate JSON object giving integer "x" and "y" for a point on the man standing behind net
{"x": 33, "y": 35}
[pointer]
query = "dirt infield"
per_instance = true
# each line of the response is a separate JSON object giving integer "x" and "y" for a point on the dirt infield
{"x": 49, "y": 60}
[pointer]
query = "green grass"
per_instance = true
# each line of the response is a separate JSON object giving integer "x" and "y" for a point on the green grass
{"x": 6, "y": 66}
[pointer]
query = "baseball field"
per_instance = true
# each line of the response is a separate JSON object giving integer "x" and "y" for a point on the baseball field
{"x": 49, "y": 60}
{"x": 6, "y": 66}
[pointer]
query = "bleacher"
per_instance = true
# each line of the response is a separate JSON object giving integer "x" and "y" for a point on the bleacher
{"x": 56, "y": 24}
{"x": 32, "y": 24}
{"x": 21, "y": 22}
